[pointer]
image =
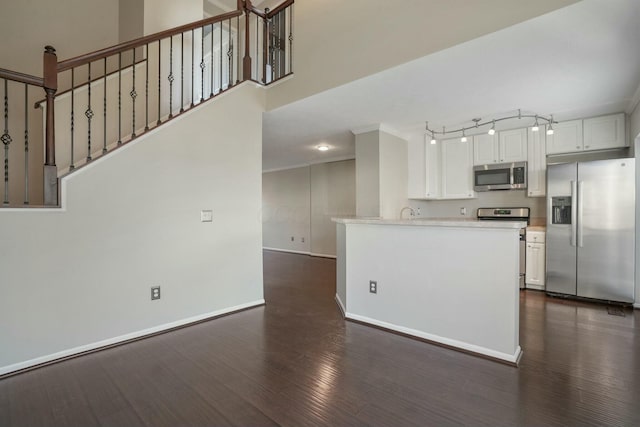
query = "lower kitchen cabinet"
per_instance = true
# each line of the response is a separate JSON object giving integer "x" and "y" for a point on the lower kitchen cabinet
{"x": 535, "y": 260}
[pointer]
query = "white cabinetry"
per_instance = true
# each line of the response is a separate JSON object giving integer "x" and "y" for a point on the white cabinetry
{"x": 601, "y": 133}
{"x": 566, "y": 138}
{"x": 433, "y": 170}
{"x": 513, "y": 146}
{"x": 448, "y": 170}
{"x": 537, "y": 163}
{"x": 598, "y": 133}
{"x": 503, "y": 147}
{"x": 457, "y": 169}
{"x": 535, "y": 260}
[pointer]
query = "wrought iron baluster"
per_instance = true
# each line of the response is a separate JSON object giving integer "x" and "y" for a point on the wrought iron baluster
{"x": 230, "y": 55}
{"x": 146, "y": 89}
{"x": 202, "y": 66}
{"x": 159, "y": 79}
{"x": 6, "y": 141}
{"x": 170, "y": 77}
{"x": 211, "y": 59}
{"x": 193, "y": 60}
{"x": 290, "y": 38}
{"x": 133, "y": 94}
{"x": 181, "y": 72}
{"x": 221, "y": 57}
{"x": 26, "y": 144}
{"x": 73, "y": 84}
{"x": 89, "y": 113}
{"x": 120, "y": 98}
{"x": 238, "y": 44}
{"x": 104, "y": 107}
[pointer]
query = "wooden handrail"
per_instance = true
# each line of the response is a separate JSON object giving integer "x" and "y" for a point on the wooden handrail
{"x": 279, "y": 8}
{"x": 21, "y": 77}
{"x": 142, "y": 41}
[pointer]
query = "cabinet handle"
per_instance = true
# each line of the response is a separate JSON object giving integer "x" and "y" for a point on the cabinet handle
{"x": 586, "y": 146}
{"x": 577, "y": 146}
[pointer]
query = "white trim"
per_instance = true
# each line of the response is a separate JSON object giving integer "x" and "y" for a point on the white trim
{"x": 341, "y": 305}
{"x": 381, "y": 127}
{"x": 634, "y": 101}
{"x": 315, "y": 162}
{"x": 291, "y": 251}
{"x": 322, "y": 255}
{"x": 512, "y": 358}
{"x": 636, "y": 305}
{"x": 126, "y": 337}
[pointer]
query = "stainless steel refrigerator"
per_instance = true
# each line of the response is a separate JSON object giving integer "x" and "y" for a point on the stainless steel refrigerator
{"x": 591, "y": 229}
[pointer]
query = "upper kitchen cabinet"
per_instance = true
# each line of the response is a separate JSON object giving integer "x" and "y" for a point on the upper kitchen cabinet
{"x": 537, "y": 163}
{"x": 601, "y": 133}
{"x": 513, "y": 146}
{"x": 503, "y": 147}
{"x": 433, "y": 170}
{"x": 457, "y": 169}
{"x": 566, "y": 138}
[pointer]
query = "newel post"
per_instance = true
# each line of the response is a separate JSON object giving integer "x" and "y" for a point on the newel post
{"x": 50, "y": 77}
{"x": 246, "y": 61}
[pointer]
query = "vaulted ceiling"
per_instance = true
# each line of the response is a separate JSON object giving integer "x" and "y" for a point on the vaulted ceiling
{"x": 579, "y": 61}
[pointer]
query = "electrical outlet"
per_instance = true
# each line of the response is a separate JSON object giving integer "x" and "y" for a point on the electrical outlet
{"x": 373, "y": 286}
{"x": 418, "y": 213}
{"x": 206, "y": 216}
{"x": 155, "y": 292}
{"x": 463, "y": 211}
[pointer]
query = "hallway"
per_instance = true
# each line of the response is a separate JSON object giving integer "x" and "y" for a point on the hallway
{"x": 296, "y": 362}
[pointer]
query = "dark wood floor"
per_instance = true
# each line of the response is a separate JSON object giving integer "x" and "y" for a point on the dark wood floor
{"x": 296, "y": 362}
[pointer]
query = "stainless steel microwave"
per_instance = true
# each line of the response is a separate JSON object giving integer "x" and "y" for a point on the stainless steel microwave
{"x": 500, "y": 176}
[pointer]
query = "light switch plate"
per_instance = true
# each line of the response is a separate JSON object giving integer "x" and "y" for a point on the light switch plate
{"x": 206, "y": 216}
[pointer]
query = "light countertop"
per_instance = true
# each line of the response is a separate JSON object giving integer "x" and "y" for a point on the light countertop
{"x": 444, "y": 222}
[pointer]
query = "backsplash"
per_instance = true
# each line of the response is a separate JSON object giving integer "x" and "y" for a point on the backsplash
{"x": 489, "y": 199}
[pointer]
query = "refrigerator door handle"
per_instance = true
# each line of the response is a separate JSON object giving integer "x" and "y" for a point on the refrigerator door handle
{"x": 580, "y": 207}
{"x": 574, "y": 207}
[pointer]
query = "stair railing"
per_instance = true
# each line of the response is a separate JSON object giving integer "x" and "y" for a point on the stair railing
{"x": 97, "y": 102}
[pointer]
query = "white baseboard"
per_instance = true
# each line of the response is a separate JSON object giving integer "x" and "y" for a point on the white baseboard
{"x": 115, "y": 340}
{"x": 511, "y": 358}
{"x": 291, "y": 251}
{"x": 322, "y": 255}
{"x": 341, "y": 305}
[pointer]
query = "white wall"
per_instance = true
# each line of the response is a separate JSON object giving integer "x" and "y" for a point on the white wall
{"x": 286, "y": 211}
{"x": 161, "y": 15}
{"x": 454, "y": 285}
{"x": 393, "y": 175}
{"x": 81, "y": 275}
{"x": 333, "y": 194}
{"x": 300, "y": 203}
{"x": 368, "y": 174}
{"x": 326, "y": 39}
{"x": 634, "y": 126}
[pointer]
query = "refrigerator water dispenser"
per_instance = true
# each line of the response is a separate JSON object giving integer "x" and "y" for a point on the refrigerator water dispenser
{"x": 561, "y": 210}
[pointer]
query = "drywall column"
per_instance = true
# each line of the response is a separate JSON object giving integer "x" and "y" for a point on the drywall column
{"x": 381, "y": 174}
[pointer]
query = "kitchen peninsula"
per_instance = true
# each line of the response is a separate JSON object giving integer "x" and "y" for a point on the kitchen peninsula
{"x": 451, "y": 282}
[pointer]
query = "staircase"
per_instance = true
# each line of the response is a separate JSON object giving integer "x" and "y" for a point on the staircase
{"x": 96, "y": 103}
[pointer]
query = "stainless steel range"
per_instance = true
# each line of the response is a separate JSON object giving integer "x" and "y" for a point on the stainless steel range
{"x": 510, "y": 214}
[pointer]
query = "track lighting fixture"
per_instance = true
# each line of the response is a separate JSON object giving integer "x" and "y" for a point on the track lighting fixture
{"x": 477, "y": 124}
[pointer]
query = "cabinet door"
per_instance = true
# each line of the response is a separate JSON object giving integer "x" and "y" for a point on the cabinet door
{"x": 432, "y": 169}
{"x": 536, "y": 163}
{"x": 513, "y": 146}
{"x": 457, "y": 169}
{"x": 566, "y": 138}
{"x": 485, "y": 149}
{"x": 604, "y": 132}
{"x": 535, "y": 271}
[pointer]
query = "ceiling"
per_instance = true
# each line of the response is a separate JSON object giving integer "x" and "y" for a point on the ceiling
{"x": 579, "y": 61}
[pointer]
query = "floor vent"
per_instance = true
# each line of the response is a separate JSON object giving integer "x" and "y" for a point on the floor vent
{"x": 615, "y": 311}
